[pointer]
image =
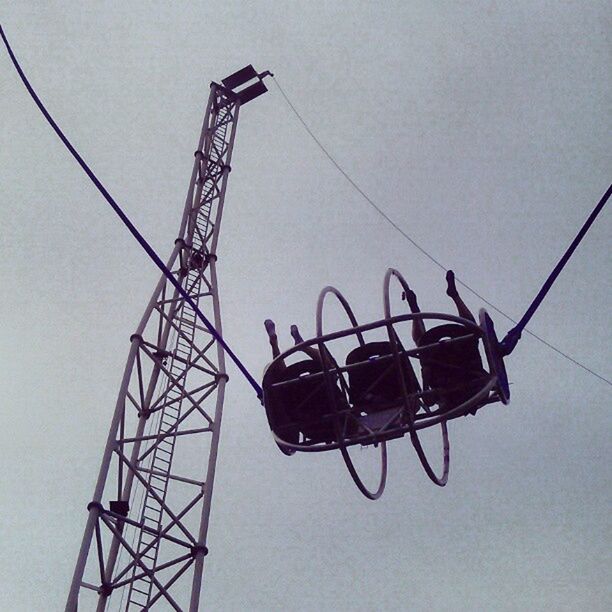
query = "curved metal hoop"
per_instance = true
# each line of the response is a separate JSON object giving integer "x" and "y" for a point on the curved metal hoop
{"x": 284, "y": 448}
{"x": 439, "y": 480}
{"x": 373, "y": 495}
{"x": 357, "y": 479}
{"x": 416, "y": 442}
{"x": 345, "y": 305}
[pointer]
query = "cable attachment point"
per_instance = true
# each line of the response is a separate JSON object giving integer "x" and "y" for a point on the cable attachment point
{"x": 507, "y": 345}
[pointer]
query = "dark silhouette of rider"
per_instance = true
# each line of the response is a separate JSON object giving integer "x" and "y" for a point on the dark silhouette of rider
{"x": 452, "y": 371}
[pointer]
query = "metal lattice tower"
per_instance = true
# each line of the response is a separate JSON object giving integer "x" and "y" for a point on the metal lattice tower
{"x": 145, "y": 538}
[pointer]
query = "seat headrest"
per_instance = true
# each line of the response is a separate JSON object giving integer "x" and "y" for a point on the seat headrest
{"x": 371, "y": 349}
{"x": 450, "y": 330}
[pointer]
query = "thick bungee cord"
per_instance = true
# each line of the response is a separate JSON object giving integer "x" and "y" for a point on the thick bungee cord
{"x": 513, "y": 336}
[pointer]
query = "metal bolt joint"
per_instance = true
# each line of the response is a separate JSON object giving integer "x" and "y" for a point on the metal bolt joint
{"x": 97, "y": 505}
{"x": 105, "y": 589}
{"x": 197, "y": 549}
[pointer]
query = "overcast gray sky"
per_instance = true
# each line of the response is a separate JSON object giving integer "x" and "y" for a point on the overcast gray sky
{"x": 481, "y": 128}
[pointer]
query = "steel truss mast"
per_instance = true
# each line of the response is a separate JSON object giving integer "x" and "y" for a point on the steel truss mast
{"x": 145, "y": 538}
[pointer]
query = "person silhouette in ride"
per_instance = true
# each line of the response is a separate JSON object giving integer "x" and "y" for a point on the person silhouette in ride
{"x": 312, "y": 352}
{"x": 418, "y": 327}
{"x": 452, "y": 371}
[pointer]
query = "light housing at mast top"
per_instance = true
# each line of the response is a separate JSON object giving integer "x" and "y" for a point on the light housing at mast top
{"x": 238, "y": 83}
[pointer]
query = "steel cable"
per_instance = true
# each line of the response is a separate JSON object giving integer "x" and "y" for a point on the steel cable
{"x": 414, "y": 243}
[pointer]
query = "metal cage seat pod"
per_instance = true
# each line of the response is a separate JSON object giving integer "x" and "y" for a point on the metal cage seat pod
{"x": 317, "y": 405}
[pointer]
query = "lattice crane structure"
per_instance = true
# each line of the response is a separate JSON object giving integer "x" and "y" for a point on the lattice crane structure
{"x": 145, "y": 539}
